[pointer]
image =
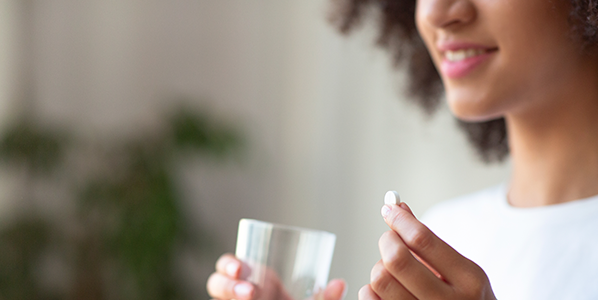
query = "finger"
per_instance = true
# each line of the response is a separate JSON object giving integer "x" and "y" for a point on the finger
{"x": 229, "y": 265}
{"x": 271, "y": 287}
{"x": 406, "y": 207}
{"x": 336, "y": 290}
{"x": 366, "y": 293}
{"x": 222, "y": 287}
{"x": 407, "y": 270}
{"x": 425, "y": 244}
{"x": 386, "y": 286}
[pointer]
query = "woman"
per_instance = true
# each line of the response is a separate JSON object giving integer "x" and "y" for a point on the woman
{"x": 526, "y": 68}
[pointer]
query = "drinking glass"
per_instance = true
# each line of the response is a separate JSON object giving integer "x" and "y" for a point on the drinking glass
{"x": 284, "y": 262}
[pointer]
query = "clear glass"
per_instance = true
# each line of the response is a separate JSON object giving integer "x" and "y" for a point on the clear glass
{"x": 284, "y": 262}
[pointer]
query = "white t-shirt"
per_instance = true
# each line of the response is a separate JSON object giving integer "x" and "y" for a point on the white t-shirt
{"x": 548, "y": 252}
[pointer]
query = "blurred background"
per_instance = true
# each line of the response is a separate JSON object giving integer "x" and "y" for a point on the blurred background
{"x": 136, "y": 133}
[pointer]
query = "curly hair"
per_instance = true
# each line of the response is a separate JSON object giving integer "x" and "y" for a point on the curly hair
{"x": 397, "y": 33}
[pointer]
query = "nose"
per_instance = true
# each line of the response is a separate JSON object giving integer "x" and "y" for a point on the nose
{"x": 446, "y": 13}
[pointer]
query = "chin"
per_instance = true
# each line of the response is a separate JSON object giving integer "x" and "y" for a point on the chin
{"x": 470, "y": 109}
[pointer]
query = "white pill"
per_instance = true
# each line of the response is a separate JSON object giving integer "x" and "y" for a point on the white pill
{"x": 392, "y": 197}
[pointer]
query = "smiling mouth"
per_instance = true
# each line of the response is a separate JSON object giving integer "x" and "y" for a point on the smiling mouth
{"x": 462, "y": 54}
{"x": 460, "y": 62}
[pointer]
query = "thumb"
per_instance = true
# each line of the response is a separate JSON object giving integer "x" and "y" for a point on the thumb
{"x": 336, "y": 290}
{"x": 406, "y": 207}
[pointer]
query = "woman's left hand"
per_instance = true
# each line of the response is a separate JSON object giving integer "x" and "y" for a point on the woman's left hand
{"x": 416, "y": 264}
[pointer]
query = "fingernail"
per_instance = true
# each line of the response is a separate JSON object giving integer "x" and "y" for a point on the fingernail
{"x": 232, "y": 269}
{"x": 385, "y": 211}
{"x": 243, "y": 290}
{"x": 404, "y": 206}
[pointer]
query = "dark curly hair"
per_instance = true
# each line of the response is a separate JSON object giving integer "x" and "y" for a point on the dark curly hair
{"x": 397, "y": 33}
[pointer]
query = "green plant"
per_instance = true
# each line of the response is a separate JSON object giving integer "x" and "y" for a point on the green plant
{"x": 128, "y": 217}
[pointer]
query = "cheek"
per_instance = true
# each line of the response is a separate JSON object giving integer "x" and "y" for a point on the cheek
{"x": 509, "y": 84}
{"x": 425, "y": 31}
{"x": 535, "y": 55}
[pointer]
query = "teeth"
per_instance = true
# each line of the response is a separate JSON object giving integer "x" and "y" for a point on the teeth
{"x": 462, "y": 54}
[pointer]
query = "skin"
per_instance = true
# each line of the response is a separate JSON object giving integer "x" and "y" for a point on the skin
{"x": 226, "y": 283}
{"x": 416, "y": 264}
{"x": 539, "y": 80}
{"x": 545, "y": 87}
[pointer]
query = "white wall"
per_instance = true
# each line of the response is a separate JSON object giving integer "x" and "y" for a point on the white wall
{"x": 327, "y": 133}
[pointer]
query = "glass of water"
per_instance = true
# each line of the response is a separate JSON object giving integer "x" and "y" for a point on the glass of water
{"x": 284, "y": 262}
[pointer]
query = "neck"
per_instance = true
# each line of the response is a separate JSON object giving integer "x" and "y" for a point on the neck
{"x": 554, "y": 149}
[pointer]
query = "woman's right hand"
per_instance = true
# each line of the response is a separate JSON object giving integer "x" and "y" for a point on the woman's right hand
{"x": 226, "y": 284}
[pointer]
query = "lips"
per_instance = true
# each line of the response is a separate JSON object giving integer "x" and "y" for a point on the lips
{"x": 460, "y": 59}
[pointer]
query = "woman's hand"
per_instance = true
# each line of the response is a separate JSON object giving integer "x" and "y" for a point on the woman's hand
{"x": 416, "y": 264}
{"x": 226, "y": 283}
